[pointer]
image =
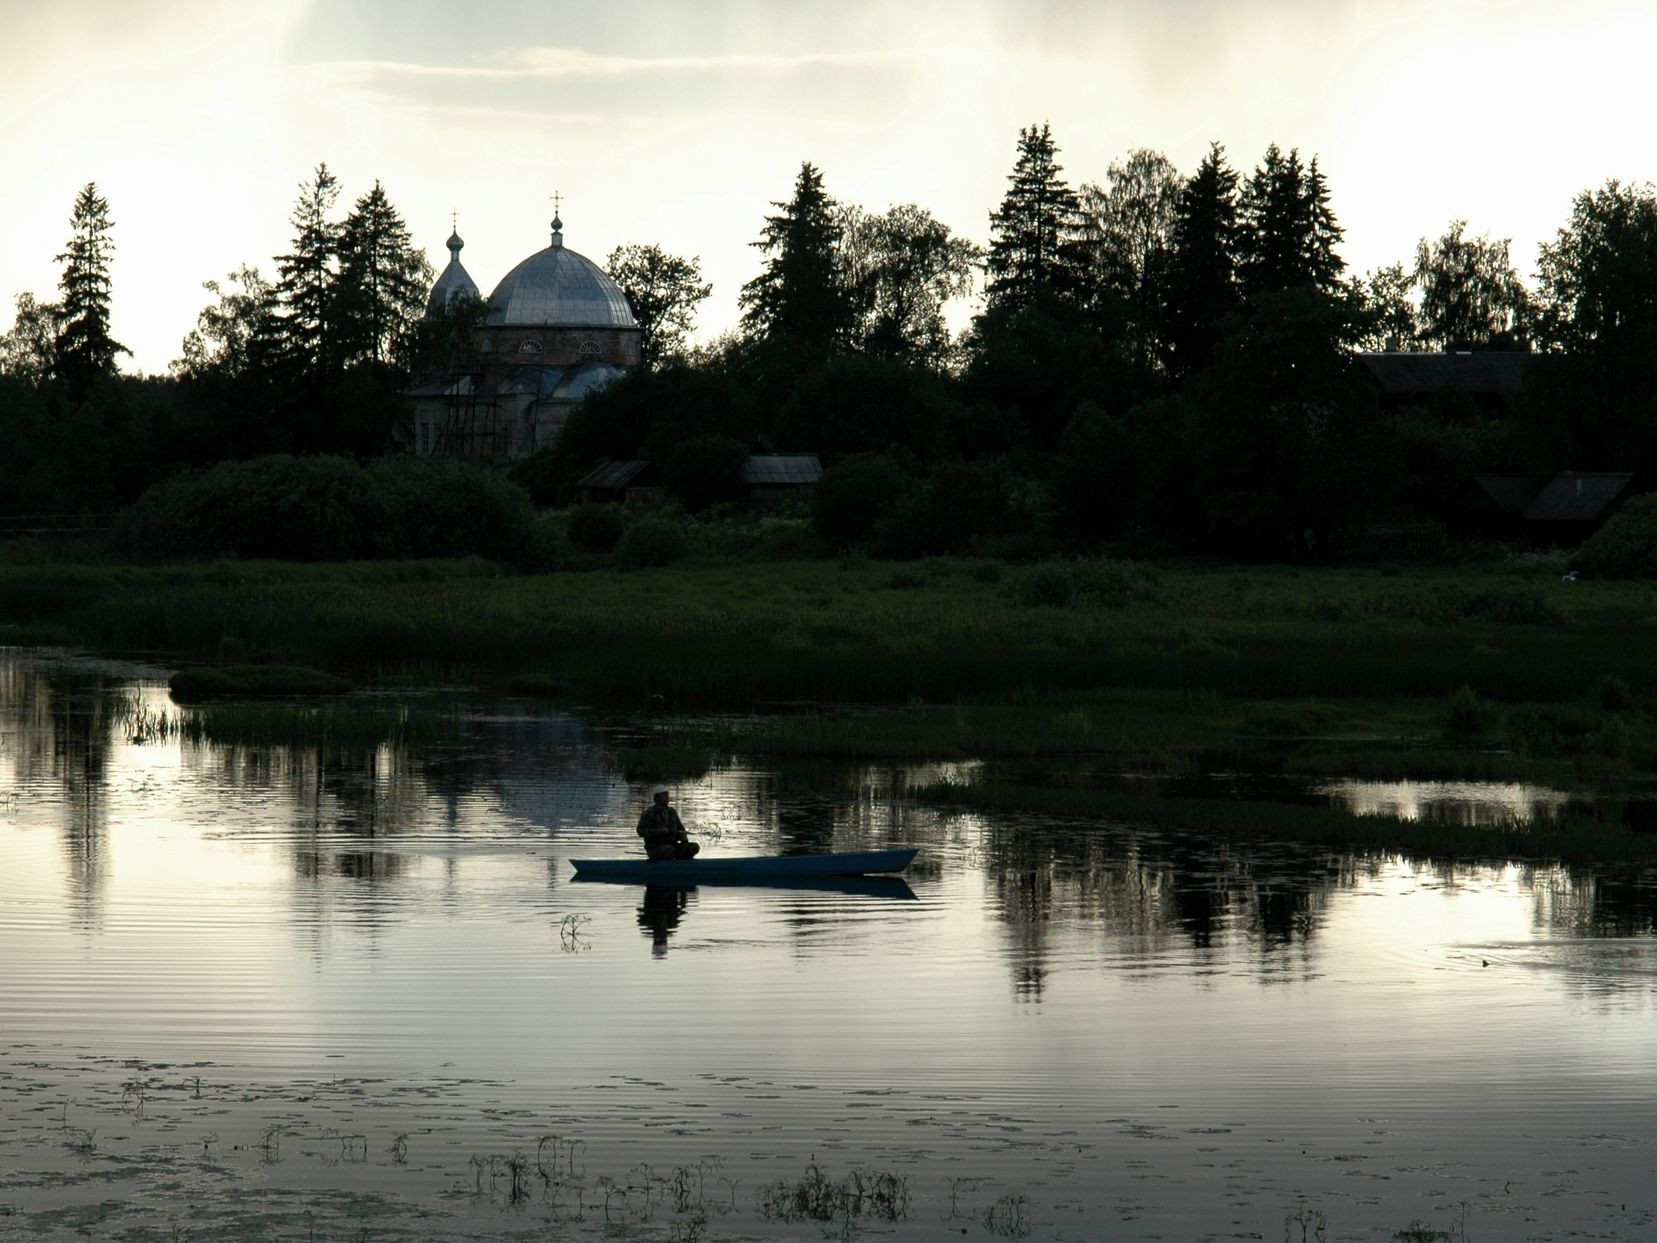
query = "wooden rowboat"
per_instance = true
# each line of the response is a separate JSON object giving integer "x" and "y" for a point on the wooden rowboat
{"x": 743, "y": 867}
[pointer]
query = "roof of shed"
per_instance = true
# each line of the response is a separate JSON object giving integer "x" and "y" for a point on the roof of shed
{"x": 613, "y": 474}
{"x": 1576, "y": 496}
{"x": 1427, "y": 371}
{"x": 774, "y": 468}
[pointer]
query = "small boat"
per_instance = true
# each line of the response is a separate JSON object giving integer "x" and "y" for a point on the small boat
{"x": 743, "y": 867}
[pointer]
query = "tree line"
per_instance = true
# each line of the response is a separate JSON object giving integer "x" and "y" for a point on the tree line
{"x": 1154, "y": 357}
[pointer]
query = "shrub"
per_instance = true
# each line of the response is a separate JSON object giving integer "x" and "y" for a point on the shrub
{"x": 1466, "y": 717}
{"x": 330, "y": 509}
{"x": 451, "y": 508}
{"x": 1626, "y": 546}
{"x": 1613, "y": 693}
{"x": 705, "y": 470}
{"x": 1100, "y": 583}
{"x": 596, "y": 528}
{"x": 653, "y": 542}
{"x": 854, "y": 497}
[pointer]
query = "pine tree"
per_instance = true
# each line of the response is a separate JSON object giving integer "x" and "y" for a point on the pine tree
{"x": 1037, "y": 250}
{"x": 798, "y": 304}
{"x": 305, "y": 284}
{"x": 1202, "y": 272}
{"x": 84, "y": 350}
{"x": 379, "y": 295}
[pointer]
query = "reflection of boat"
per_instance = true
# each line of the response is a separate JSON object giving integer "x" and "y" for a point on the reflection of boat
{"x": 751, "y": 869}
{"x": 857, "y": 886}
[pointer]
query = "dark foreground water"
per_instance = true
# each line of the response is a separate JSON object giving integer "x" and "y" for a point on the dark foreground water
{"x": 348, "y": 993}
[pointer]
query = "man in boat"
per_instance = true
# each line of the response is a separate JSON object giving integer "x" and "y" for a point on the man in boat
{"x": 663, "y": 832}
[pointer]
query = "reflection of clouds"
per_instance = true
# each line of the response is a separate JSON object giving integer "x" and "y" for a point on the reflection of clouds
{"x": 1466, "y": 803}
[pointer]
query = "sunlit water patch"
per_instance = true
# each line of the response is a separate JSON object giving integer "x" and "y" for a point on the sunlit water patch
{"x": 354, "y": 991}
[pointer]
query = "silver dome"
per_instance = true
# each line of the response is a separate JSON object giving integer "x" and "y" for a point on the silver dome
{"x": 558, "y": 286}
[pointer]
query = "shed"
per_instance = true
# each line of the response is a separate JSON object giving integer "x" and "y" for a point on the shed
{"x": 635, "y": 480}
{"x": 1492, "y": 506}
{"x": 1574, "y": 504}
{"x": 768, "y": 473}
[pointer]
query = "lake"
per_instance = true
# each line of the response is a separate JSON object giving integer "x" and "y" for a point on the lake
{"x": 347, "y": 991}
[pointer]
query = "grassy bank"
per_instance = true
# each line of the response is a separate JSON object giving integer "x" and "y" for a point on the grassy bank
{"x": 1469, "y": 669}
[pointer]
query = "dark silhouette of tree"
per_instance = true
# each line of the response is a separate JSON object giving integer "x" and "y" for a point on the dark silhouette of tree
{"x": 29, "y": 349}
{"x": 663, "y": 291}
{"x": 305, "y": 283}
{"x": 901, "y": 268}
{"x": 1597, "y": 306}
{"x": 1471, "y": 298}
{"x": 379, "y": 294}
{"x": 84, "y": 350}
{"x": 1288, "y": 233}
{"x": 232, "y": 335}
{"x": 1037, "y": 253}
{"x": 1391, "y": 317}
{"x": 1128, "y": 227}
{"x": 1202, "y": 287}
{"x": 797, "y": 306}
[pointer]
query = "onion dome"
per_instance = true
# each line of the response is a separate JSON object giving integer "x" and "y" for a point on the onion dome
{"x": 452, "y": 283}
{"x": 557, "y": 286}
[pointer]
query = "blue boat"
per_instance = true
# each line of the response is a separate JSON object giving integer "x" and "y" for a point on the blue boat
{"x": 744, "y": 868}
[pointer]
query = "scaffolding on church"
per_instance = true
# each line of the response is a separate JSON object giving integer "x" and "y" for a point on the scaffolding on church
{"x": 471, "y": 426}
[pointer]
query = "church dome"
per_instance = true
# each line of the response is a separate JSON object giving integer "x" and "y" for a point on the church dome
{"x": 556, "y": 286}
{"x": 453, "y": 283}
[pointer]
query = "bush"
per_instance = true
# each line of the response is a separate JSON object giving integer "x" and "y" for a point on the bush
{"x": 1099, "y": 583}
{"x": 1466, "y": 717}
{"x": 330, "y": 509}
{"x": 1626, "y": 546}
{"x": 596, "y": 528}
{"x": 705, "y": 470}
{"x": 451, "y": 508}
{"x": 653, "y": 542}
{"x": 854, "y": 498}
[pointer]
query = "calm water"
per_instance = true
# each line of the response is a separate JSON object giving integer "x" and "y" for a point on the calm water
{"x": 344, "y": 993}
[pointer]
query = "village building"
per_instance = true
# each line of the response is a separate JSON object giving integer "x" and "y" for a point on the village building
{"x": 555, "y": 330}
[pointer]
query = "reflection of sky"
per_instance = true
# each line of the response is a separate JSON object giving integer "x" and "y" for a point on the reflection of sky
{"x": 1449, "y": 802}
{"x": 383, "y": 911}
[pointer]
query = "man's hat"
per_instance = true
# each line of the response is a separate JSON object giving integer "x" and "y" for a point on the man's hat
{"x": 657, "y": 789}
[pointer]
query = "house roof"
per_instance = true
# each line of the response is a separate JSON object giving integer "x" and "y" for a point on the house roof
{"x": 782, "y": 468}
{"x": 1407, "y": 372}
{"x": 1510, "y": 493}
{"x": 613, "y": 474}
{"x": 1576, "y": 496}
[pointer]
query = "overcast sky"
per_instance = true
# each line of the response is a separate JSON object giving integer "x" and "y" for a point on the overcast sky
{"x": 679, "y": 121}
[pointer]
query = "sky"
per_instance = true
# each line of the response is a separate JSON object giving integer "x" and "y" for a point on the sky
{"x": 679, "y": 122}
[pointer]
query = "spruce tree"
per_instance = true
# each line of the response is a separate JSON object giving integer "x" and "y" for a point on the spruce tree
{"x": 380, "y": 292}
{"x": 84, "y": 350}
{"x": 1037, "y": 251}
{"x": 1288, "y": 231}
{"x": 798, "y": 304}
{"x": 1202, "y": 268}
{"x": 305, "y": 285}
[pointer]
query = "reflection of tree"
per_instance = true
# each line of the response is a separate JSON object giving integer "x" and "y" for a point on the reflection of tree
{"x": 64, "y": 722}
{"x": 1150, "y": 892}
{"x": 1581, "y": 902}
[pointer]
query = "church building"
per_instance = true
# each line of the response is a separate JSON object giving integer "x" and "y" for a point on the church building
{"x": 555, "y": 330}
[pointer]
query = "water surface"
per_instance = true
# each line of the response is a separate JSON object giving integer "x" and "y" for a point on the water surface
{"x": 262, "y": 992}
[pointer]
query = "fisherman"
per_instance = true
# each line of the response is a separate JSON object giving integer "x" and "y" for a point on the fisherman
{"x": 663, "y": 832}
